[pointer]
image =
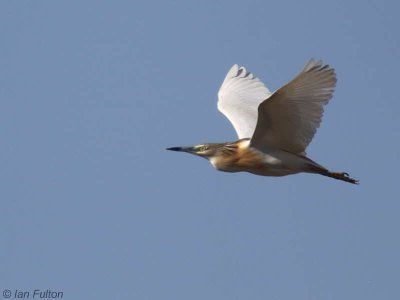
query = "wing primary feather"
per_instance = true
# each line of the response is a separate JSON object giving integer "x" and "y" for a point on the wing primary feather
{"x": 238, "y": 98}
{"x": 289, "y": 118}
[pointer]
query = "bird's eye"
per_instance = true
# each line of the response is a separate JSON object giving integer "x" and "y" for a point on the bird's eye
{"x": 203, "y": 148}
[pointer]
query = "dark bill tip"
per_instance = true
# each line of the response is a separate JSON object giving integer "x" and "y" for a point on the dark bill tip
{"x": 175, "y": 149}
{"x": 181, "y": 149}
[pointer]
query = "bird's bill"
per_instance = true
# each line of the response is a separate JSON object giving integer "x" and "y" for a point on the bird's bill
{"x": 182, "y": 149}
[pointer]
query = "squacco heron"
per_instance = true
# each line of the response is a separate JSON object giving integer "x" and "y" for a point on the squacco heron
{"x": 274, "y": 129}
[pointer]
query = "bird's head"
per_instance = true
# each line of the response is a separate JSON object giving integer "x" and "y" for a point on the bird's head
{"x": 222, "y": 156}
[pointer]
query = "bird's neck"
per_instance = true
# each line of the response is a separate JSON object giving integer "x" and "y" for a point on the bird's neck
{"x": 229, "y": 155}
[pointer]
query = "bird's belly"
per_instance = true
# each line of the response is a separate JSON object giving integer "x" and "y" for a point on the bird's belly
{"x": 270, "y": 166}
{"x": 256, "y": 162}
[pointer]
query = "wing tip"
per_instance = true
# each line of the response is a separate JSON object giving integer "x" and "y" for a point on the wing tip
{"x": 232, "y": 71}
{"x": 319, "y": 64}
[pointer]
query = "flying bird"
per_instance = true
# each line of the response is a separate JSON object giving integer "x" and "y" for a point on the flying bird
{"x": 274, "y": 129}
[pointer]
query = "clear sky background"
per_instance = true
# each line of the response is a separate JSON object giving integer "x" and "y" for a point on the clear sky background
{"x": 91, "y": 94}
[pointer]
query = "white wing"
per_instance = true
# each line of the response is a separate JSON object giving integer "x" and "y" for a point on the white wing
{"x": 238, "y": 99}
{"x": 290, "y": 117}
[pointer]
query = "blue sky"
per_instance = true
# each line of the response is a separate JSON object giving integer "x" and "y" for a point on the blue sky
{"x": 92, "y": 92}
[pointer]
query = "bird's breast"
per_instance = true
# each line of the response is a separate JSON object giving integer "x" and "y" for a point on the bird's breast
{"x": 242, "y": 159}
{"x": 249, "y": 159}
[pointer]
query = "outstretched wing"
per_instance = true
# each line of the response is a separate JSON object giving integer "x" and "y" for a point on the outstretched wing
{"x": 289, "y": 118}
{"x": 238, "y": 99}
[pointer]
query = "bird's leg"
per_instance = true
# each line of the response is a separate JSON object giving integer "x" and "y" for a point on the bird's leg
{"x": 340, "y": 176}
{"x": 337, "y": 175}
